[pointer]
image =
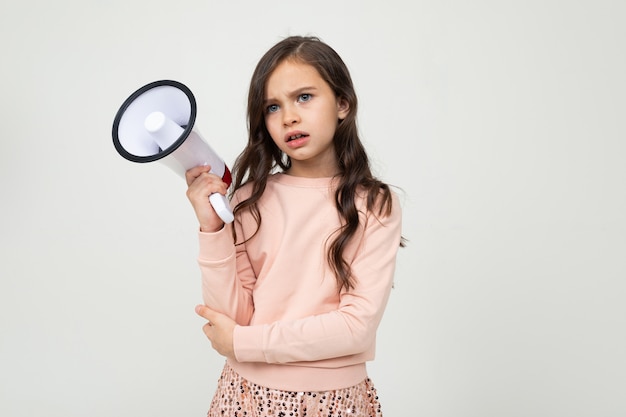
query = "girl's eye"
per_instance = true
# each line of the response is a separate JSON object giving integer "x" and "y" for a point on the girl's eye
{"x": 272, "y": 108}
{"x": 304, "y": 97}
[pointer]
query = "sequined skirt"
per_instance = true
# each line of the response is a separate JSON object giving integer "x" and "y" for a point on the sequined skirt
{"x": 237, "y": 397}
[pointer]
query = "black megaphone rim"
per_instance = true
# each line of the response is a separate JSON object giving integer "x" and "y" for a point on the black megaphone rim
{"x": 164, "y": 152}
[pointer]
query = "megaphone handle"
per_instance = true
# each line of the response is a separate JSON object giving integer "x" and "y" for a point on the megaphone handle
{"x": 222, "y": 207}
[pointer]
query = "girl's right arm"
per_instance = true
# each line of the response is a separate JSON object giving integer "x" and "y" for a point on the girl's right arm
{"x": 227, "y": 278}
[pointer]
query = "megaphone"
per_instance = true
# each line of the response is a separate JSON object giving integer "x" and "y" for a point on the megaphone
{"x": 156, "y": 123}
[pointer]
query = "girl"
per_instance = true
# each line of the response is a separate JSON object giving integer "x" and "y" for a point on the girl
{"x": 295, "y": 287}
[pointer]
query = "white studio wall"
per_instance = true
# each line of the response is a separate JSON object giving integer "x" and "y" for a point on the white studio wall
{"x": 501, "y": 124}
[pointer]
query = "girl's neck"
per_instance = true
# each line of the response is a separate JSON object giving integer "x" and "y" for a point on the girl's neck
{"x": 326, "y": 169}
{"x": 311, "y": 173}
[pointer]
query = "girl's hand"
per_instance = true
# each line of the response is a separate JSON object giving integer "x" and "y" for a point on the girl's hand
{"x": 219, "y": 330}
{"x": 201, "y": 184}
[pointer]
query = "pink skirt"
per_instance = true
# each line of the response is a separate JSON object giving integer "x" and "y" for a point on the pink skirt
{"x": 237, "y": 397}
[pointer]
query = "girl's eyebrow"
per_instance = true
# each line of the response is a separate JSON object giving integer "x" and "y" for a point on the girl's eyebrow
{"x": 293, "y": 93}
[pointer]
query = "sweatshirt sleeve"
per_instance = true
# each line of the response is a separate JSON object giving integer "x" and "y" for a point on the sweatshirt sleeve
{"x": 351, "y": 328}
{"x": 227, "y": 277}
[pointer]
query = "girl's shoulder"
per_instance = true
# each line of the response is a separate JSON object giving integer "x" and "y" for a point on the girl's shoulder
{"x": 242, "y": 193}
{"x": 379, "y": 192}
{"x": 245, "y": 190}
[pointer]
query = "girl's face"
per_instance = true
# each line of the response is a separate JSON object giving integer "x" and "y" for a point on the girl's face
{"x": 301, "y": 115}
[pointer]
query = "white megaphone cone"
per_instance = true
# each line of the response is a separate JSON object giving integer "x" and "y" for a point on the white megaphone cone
{"x": 156, "y": 124}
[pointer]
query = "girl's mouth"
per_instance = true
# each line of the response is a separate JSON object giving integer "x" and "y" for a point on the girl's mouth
{"x": 296, "y": 139}
{"x": 296, "y": 136}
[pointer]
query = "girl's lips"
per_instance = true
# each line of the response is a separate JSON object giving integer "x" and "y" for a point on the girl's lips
{"x": 294, "y": 135}
{"x": 298, "y": 141}
{"x": 296, "y": 138}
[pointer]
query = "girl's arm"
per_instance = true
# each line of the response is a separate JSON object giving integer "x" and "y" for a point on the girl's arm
{"x": 226, "y": 284}
{"x": 348, "y": 330}
{"x": 227, "y": 276}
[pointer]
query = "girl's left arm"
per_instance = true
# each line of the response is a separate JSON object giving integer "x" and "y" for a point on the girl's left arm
{"x": 351, "y": 328}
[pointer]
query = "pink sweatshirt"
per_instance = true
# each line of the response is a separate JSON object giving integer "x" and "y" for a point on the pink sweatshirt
{"x": 295, "y": 331}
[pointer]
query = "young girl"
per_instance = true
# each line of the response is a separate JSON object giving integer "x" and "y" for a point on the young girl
{"x": 295, "y": 287}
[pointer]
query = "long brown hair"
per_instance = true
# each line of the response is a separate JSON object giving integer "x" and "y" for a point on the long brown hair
{"x": 261, "y": 157}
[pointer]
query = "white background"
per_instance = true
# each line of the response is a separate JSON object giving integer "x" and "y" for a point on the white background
{"x": 503, "y": 122}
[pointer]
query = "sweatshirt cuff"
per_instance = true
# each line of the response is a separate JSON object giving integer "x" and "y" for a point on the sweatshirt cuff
{"x": 248, "y": 343}
{"x": 216, "y": 246}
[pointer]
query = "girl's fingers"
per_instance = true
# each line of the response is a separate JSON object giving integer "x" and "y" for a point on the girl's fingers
{"x": 204, "y": 185}
{"x": 206, "y": 312}
{"x": 201, "y": 185}
{"x": 195, "y": 172}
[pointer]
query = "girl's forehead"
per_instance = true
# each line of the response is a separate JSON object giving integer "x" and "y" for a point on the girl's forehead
{"x": 292, "y": 74}
{"x": 291, "y": 68}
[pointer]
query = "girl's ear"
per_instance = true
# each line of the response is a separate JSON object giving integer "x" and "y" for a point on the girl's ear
{"x": 343, "y": 108}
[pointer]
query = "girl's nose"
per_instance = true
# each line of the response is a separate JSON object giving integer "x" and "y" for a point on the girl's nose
{"x": 290, "y": 116}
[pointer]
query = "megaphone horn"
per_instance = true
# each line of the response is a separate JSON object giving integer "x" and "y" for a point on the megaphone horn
{"x": 156, "y": 123}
